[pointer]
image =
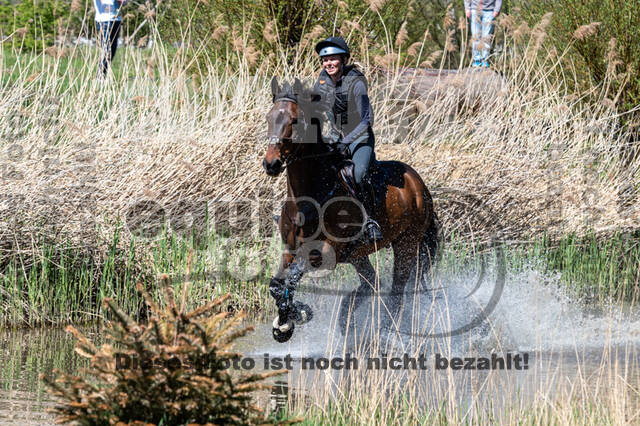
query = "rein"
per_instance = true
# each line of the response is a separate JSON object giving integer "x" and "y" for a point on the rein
{"x": 292, "y": 158}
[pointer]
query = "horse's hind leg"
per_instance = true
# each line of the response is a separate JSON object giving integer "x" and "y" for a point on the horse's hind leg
{"x": 350, "y": 303}
{"x": 429, "y": 245}
{"x": 405, "y": 255}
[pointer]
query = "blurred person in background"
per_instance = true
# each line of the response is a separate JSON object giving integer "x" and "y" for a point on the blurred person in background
{"x": 482, "y": 13}
{"x": 108, "y": 20}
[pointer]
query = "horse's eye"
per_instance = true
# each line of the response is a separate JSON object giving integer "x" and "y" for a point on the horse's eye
{"x": 295, "y": 121}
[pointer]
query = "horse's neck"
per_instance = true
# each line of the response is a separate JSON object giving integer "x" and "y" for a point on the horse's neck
{"x": 313, "y": 177}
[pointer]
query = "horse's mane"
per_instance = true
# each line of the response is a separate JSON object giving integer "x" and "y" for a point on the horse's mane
{"x": 301, "y": 92}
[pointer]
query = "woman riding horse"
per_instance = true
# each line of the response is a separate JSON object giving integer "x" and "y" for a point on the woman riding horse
{"x": 316, "y": 217}
{"x": 343, "y": 94}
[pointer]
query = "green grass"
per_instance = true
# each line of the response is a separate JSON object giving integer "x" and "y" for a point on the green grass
{"x": 595, "y": 267}
{"x": 64, "y": 284}
{"x": 78, "y": 64}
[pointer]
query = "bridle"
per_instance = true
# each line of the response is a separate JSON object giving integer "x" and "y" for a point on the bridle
{"x": 293, "y": 157}
{"x": 296, "y": 140}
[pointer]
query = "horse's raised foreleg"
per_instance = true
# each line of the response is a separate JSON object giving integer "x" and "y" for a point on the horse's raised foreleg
{"x": 282, "y": 288}
{"x": 350, "y": 303}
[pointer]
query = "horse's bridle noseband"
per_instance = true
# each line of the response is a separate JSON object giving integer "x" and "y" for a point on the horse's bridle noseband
{"x": 291, "y": 158}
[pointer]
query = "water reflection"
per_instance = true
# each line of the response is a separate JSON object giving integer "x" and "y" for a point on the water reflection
{"x": 279, "y": 396}
{"x": 25, "y": 355}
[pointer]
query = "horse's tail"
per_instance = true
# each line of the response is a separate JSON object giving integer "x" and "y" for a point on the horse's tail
{"x": 431, "y": 240}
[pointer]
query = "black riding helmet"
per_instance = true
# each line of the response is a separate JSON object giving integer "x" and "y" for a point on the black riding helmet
{"x": 333, "y": 46}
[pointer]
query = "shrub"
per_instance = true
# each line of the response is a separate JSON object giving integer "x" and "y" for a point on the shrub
{"x": 258, "y": 29}
{"x": 38, "y": 17}
{"x": 160, "y": 390}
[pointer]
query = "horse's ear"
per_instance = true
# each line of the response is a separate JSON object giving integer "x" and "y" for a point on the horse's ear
{"x": 275, "y": 89}
{"x": 286, "y": 88}
{"x": 297, "y": 87}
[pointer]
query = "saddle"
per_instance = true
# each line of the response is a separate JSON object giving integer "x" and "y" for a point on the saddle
{"x": 376, "y": 175}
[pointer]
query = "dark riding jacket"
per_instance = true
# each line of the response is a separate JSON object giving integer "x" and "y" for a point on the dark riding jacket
{"x": 348, "y": 101}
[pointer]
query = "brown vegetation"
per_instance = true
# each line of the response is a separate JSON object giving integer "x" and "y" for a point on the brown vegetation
{"x": 181, "y": 376}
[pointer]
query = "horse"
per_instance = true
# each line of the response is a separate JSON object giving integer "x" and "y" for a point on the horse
{"x": 320, "y": 221}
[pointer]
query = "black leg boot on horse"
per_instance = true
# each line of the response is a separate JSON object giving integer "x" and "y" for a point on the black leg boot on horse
{"x": 289, "y": 311}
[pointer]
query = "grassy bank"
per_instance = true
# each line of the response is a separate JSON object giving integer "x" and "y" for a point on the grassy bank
{"x": 64, "y": 285}
{"x": 596, "y": 267}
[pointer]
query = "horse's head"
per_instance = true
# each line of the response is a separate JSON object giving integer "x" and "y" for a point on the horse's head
{"x": 286, "y": 125}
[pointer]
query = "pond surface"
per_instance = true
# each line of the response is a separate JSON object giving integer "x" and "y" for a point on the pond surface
{"x": 566, "y": 344}
{"x": 25, "y": 355}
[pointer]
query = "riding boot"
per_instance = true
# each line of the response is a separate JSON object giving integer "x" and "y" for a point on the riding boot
{"x": 370, "y": 227}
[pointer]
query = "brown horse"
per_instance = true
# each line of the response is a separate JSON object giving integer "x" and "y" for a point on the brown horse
{"x": 320, "y": 223}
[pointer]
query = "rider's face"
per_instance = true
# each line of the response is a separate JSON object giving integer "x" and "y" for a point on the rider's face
{"x": 331, "y": 64}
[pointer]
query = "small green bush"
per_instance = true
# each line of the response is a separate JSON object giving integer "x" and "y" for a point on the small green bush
{"x": 38, "y": 19}
{"x": 159, "y": 392}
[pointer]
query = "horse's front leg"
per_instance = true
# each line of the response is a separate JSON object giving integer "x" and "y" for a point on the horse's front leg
{"x": 282, "y": 288}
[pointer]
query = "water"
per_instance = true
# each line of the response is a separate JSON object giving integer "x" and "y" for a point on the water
{"x": 566, "y": 343}
{"x": 25, "y": 355}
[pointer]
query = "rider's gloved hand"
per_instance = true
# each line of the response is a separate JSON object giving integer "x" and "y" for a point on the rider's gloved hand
{"x": 342, "y": 149}
{"x": 330, "y": 134}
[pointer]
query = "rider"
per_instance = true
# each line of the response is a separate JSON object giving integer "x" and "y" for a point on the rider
{"x": 343, "y": 92}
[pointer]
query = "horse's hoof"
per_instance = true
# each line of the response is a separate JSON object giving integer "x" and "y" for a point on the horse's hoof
{"x": 282, "y": 332}
{"x": 304, "y": 313}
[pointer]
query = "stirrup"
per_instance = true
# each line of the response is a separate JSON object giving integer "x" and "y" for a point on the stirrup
{"x": 372, "y": 230}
